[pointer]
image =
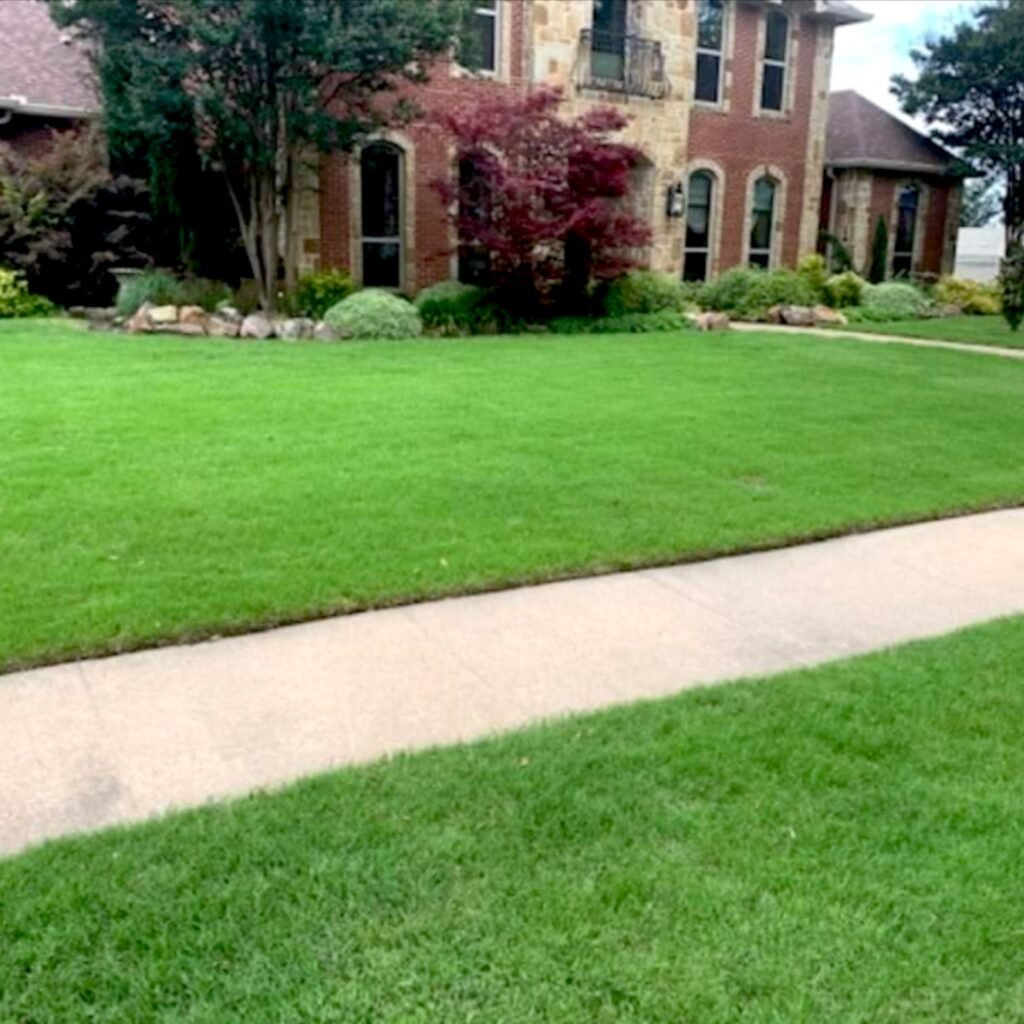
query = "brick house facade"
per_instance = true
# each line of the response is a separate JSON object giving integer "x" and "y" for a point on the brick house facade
{"x": 727, "y": 99}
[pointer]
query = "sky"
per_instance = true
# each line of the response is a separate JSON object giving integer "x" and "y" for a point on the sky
{"x": 867, "y": 55}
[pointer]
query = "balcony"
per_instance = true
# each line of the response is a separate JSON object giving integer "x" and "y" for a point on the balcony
{"x": 625, "y": 64}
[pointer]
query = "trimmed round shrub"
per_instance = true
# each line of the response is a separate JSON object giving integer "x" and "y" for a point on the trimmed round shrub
{"x": 316, "y": 293}
{"x": 375, "y": 313}
{"x": 895, "y": 301}
{"x": 844, "y": 290}
{"x": 17, "y": 301}
{"x": 642, "y": 291}
{"x": 453, "y": 309}
{"x": 747, "y": 293}
{"x": 974, "y": 297}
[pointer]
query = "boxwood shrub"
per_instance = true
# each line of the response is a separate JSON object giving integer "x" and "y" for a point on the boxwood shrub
{"x": 375, "y": 313}
{"x": 451, "y": 308}
{"x": 641, "y": 291}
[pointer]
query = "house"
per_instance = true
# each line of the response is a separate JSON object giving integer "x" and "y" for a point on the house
{"x": 728, "y": 101}
{"x": 878, "y": 166}
{"x": 45, "y": 82}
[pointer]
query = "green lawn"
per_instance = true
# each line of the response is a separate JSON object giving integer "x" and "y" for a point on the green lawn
{"x": 154, "y": 489}
{"x": 840, "y": 845}
{"x": 969, "y": 330}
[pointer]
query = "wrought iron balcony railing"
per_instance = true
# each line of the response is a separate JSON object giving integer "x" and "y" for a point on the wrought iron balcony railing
{"x": 621, "y": 63}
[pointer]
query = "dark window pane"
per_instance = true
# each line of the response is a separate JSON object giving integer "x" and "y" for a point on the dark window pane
{"x": 382, "y": 264}
{"x": 772, "y": 87}
{"x": 698, "y": 211}
{"x": 902, "y": 264}
{"x": 474, "y": 265}
{"x": 906, "y": 222}
{"x": 775, "y": 33}
{"x": 695, "y": 266}
{"x": 760, "y": 259}
{"x": 485, "y": 26}
{"x": 381, "y": 189}
{"x": 710, "y": 17}
{"x": 610, "y": 17}
{"x": 761, "y": 222}
{"x": 707, "y": 77}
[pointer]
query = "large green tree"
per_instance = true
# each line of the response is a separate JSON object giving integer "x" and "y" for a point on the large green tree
{"x": 981, "y": 204}
{"x": 255, "y": 91}
{"x": 970, "y": 88}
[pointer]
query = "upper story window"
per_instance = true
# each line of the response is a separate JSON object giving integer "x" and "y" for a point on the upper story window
{"x": 485, "y": 28}
{"x": 776, "y": 44}
{"x": 762, "y": 223}
{"x": 697, "y": 245}
{"x": 710, "y": 37}
{"x": 608, "y": 48}
{"x": 906, "y": 230}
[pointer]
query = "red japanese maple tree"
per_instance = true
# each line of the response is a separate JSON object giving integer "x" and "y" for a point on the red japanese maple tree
{"x": 540, "y": 198}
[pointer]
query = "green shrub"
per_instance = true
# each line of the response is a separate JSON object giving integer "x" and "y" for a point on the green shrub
{"x": 894, "y": 300}
{"x": 1011, "y": 286}
{"x": 316, "y": 293}
{"x": 454, "y": 309}
{"x": 246, "y": 297}
{"x": 844, "y": 290}
{"x": 17, "y": 301}
{"x": 374, "y": 313}
{"x": 747, "y": 293}
{"x": 814, "y": 270}
{"x": 162, "y": 288}
{"x": 879, "y": 251}
{"x": 627, "y": 323}
{"x": 974, "y": 297}
{"x": 642, "y": 291}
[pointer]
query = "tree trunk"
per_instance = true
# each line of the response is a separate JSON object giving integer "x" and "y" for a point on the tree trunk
{"x": 1013, "y": 207}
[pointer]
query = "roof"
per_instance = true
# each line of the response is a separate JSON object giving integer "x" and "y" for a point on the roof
{"x": 862, "y": 134}
{"x": 42, "y": 70}
{"x": 838, "y": 12}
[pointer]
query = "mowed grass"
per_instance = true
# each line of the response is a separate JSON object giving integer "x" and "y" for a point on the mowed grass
{"x": 968, "y": 330}
{"x": 841, "y": 845}
{"x": 158, "y": 489}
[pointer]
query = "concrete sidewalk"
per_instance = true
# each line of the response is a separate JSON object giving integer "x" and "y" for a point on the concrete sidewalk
{"x": 114, "y": 740}
{"x": 882, "y": 339}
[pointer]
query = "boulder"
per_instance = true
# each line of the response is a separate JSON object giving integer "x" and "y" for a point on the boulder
{"x": 159, "y": 315}
{"x": 220, "y": 327}
{"x": 774, "y": 315}
{"x": 139, "y": 322}
{"x": 829, "y": 317}
{"x": 189, "y": 330}
{"x": 256, "y": 325}
{"x": 230, "y": 313}
{"x": 712, "y": 322}
{"x": 325, "y": 332}
{"x": 295, "y": 328}
{"x": 193, "y": 315}
{"x": 797, "y": 316}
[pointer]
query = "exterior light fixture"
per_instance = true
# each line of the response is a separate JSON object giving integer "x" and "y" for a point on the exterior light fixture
{"x": 675, "y": 200}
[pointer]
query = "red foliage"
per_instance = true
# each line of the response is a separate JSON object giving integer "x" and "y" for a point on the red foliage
{"x": 542, "y": 184}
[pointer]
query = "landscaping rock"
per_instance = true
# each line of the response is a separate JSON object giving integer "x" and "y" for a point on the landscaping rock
{"x": 159, "y": 315}
{"x": 829, "y": 317}
{"x": 325, "y": 332}
{"x": 194, "y": 315}
{"x": 774, "y": 315}
{"x": 230, "y": 313}
{"x": 139, "y": 322}
{"x": 256, "y": 325}
{"x": 295, "y": 328}
{"x": 219, "y": 326}
{"x": 712, "y": 321}
{"x": 797, "y": 316}
{"x": 189, "y": 330}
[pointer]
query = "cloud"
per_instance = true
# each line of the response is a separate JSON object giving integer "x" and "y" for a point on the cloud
{"x": 868, "y": 55}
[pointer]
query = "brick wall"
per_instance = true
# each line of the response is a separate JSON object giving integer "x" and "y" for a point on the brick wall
{"x": 31, "y": 136}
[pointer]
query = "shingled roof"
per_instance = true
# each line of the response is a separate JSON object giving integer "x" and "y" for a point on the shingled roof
{"x": 862, "y": 134}
{"x": 42, "y": 71}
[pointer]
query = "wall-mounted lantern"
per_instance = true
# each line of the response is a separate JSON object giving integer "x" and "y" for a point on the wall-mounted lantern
{"x": 675, "y": 200}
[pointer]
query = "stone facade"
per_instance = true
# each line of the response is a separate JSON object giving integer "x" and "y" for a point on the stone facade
{"x": 546, "y": 42}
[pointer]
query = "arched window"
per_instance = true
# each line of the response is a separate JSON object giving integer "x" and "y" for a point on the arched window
{"x": 773, "y": 73}
{"x": 381, "y": 166}
{"x": 697, "y": 242}
{"x": 710, "y": 37}
{"x": 762, "y": 223}
{"x": 906, "y": 230}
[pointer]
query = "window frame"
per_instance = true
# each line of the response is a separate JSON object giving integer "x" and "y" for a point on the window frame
{"x": 707, "y": 250}
{"x": 478, "y": 10}
{"x": 774, "y": 62}
{"x": 767, "y": 252}
{"x": 707, "y": 51}
{"x": 906, "y": 254}
{"x": 382, "y": 240}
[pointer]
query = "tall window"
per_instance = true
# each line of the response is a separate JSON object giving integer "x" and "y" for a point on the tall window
{"x": 381, "y": 167}
{"x": 485, "y": 30}
{"x": 762, "y": 223}
{"x": 475, "y": 206}
{"x": 697, "y": 245}
{"x": 710, "y": 33}
{"x": 906, "y": 229}
{"x": 608, "y": 56}
{"x": 776, "y": 42}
